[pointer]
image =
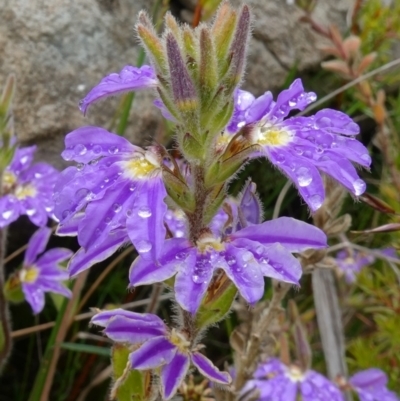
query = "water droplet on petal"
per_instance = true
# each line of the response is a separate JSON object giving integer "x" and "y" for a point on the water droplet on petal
{"x": 292, "y": 102}
{"x": 180, "y": 255}
{"x": 144, "y": 212}
{"x": 247, "y": 256}
{"x": 359, "y": 187}
{"x": 97, "y": 149}
{"x": 315, "y": 201}
{"x": 107, "y": 220}
{"x": 65, "y": 214}
{"x": 113, "y": 150}
{"x": 82, "y": 193}
{"x": 320, "y": 149}
{"x": 298, "y": 150}
{"x": 230, "y": 260}
{"x": 128, "y": 212}
{"x": 80, "y": 149}
{"x": 264, "y": 260}
{"x": 132, "y": 187}
{"x": 116, "y": 207}
{"x": 80, "y": 166}
{"x": 280, "y": 158}
{"x": 67, "y": 154}
{"x": 6, "y": 214}
{"x": 143, "y": 246}
{"x": 366, "y": 158}
{"x": 304, "y": 177}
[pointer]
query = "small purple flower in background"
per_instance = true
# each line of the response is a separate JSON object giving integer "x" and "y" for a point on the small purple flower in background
{"x": 300, "y": 146}
{"x": 129, "y": 79}
{"x": 43, "y": 274}
{"x": 27, "y": 189}
{"x": 118, "y": 186}
{"x": 277, "y": 382}
{"x": 351, "y": 264}
{"x": 245, "y": 256}
{"x": 371, "y": 385}
{"x": 160, "y": 348}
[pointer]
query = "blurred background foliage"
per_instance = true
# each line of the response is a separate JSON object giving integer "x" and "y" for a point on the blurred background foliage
{"x": 58, "y": 355}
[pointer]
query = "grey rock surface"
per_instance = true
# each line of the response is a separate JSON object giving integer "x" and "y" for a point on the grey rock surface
{"x": 59, "y": 49}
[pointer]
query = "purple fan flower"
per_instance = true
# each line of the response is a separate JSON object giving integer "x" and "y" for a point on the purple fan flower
{"x": 351, "y": 265}
{"x": 303, "y": 146}
{"x": 129, "y": 79}
{"x": 160, "y": 347}
{"x": 116, "y": 186}
{"x": 371, "y": 385}
{"x": 245, "y": 255}
{"x": 43, "y": 274}
{"x": 27, "y": 189}
{"x": 278, "y": 382}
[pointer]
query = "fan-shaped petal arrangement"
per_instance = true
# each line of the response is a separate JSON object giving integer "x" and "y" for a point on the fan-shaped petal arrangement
{"x": 159, "y": 347}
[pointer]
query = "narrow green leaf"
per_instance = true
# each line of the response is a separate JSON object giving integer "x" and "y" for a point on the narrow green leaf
{"x": 90, "y": 349}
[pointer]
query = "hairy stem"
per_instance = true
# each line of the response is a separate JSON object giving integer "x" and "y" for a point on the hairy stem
{"x": 246, "y": 362}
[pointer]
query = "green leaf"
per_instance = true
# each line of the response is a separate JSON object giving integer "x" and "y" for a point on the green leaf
{"x": 217, "y": 302}
{"x": 128, "y": 384}
{"x": 90, "y": 349}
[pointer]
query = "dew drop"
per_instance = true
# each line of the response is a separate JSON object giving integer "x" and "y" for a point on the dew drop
{"x": 366, "y": 158}
{"x": 144, "y": 212}
{"x": 82, "y": 193}
{"x": 359, "y": 187}
{"x": 129, "y": 212}
{"x": 143, "y": 246}
{"x": 315, "y": 201}
{"x": 298, "y": 150}
{"x": 320, "y": 150}
{"x": 97, "y": 149}
{"x": 108, "y": 220}
{"x": 80, "y": 166}
{"x": 230, "y": 260}
{"x": 31, "y": 212}
{"x": 67, "y": 154}
{"x": 80, "y": 149}
{"x": 292, "y": 103}
{"x": 113, "y": 150}
{"x": 6, "y": 214}
{"x": 264, "y": 260}
{"x": 280, "y": 158}
{"x": 180, "y": 255}
{"x": 311, "y": 97}
{"x": 132, "y": 187}
{"x": 65, "y": 214}
{"x": 116, "y": 207}
{"x": 304, "y": 177}
{"x": 97, "y": 232}
{"x": 247, "y": 256}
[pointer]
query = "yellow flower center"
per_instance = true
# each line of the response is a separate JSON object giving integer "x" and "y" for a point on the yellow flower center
{"x": 9, "y": 179}
{"x": 29, "y": 275}
{"x": 180, "y": 341}
{"x": 25, "y": 191}
{"x": 209, "y": 243}
{"x": 295, "y": 374}
{"x": 271, "y": 136}
{"x": 138, "y": 167}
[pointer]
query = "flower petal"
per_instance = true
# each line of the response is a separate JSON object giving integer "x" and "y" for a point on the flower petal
{"x": 207, "y": 369}
{"x": 10, "y": 210}
{"x": 294, "y": 98}
{"x": 22, "y": 159}
{"x": 342, "y": 171}
{"x": 84, "y": 259}
{"x": 250, "y": 207}
{"x": 172, "y": 374}
{"x": 336, "y": 122}
{"x": 153, "y": 354}
{"x": 123, "y": 329}
{"x": 243, "y": 270}
{"x": 50, "y": 285}
{"x": 294, "y": 235}
{"x": 129, "y": 79}
{"x": 70, "y": 227}
{"x": 34, "y": 295}
{"x": 369, "y": 378}
{"x": 145, "y": 224}
{"x": 55, "y": 256}
{"x": 37, "y": 244}
{"x": 105, "y": 214}
{"x": 88, "y": 143}
{"x": 145, "y": 271}
{"x": 191, "y": 282}
{"x": 318, "y": 387}
{"x": 242, "y": 101}
{"x": 102, "y": 318}
{"x": 303, "y": 174}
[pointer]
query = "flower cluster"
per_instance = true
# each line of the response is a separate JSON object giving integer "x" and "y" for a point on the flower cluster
{"x": 27, "y": 189}
{"x": 176, "y": 211}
